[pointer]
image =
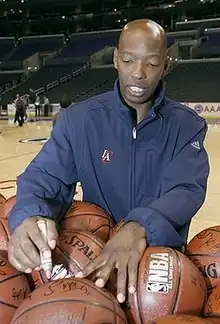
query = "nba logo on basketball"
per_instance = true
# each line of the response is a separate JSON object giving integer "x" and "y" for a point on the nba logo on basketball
{"x": 106, "y": 156}
{"x": 160, "y": 278}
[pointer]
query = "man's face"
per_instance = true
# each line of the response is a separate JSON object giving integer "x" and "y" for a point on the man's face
{"x": 140, "y": 60}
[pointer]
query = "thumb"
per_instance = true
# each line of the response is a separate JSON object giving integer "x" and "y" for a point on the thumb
{"x": 52, "y": 233}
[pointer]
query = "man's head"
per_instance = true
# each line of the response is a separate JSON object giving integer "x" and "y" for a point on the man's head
{"x": 141, "y": 60}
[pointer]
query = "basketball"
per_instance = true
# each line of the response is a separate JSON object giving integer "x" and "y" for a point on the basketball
{"x": 9, "y": 203}
{"x": 59, "y": 272}
{"x": 4, "y": 234}
{"x": 89, "y": 217}
{"x": 168, "y": 283}
{"x": 13, "y": 289}
{"x": 179, "y": 319}
{"x": 204, "y": 251}
{"x": 212, "y": 306}
{"x": 69, "y": 301}
{"x": 73, "y": 252}
{"x": 2, "y": 201}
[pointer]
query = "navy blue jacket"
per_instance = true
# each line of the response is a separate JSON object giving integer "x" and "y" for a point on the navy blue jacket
{"x": 155, "y": 173}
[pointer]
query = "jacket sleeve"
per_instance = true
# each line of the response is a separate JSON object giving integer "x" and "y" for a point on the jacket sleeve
{"x": 183, "y": 191}
{"x": 46, "y": 188}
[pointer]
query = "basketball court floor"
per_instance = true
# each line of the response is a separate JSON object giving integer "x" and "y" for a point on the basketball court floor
{"x": 18, "y": 146}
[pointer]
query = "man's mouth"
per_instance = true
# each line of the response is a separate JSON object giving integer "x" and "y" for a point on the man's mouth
{"x": 136, "y": 91}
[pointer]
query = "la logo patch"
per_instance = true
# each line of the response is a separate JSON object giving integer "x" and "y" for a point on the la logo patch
{"x": 106, "y": 156}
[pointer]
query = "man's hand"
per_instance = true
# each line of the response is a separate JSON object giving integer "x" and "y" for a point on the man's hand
{"x": 123, "y": 252}
{"x": 29, "y": 248}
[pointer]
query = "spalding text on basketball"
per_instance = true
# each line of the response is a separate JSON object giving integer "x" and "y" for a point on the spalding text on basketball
{"x": 78, "y": 243}
{"x": 160, "y": 273}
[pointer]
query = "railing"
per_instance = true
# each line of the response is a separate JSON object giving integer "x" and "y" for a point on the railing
{"x": 62, "y": 80}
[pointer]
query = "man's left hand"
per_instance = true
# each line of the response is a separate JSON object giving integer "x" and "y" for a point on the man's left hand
{"x": 122, "y": 252}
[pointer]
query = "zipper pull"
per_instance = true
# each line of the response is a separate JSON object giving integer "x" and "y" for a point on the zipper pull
{"x": 134, "y": 132}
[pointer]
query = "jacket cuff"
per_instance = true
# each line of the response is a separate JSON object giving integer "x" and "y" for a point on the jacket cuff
{"x": 159, "y": 231}
{"x": 18, "y": 215}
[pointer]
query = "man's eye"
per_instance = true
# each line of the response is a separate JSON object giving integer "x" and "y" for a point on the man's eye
{"x": 127, "y": 61}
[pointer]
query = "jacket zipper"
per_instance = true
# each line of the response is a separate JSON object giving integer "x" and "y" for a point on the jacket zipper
{"x": 132, "y": 190}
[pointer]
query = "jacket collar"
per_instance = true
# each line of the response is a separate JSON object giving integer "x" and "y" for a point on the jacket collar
{"x": 159, "y": 99}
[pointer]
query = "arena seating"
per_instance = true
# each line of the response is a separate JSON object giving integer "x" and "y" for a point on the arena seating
{"x": 90, "y": 83}
{"x": 32, "y": 45}
{"x": 9, "y": 80}
{"x": 193, "y": 78}
{"x": 210, "y": 46}
{"x": 40, "y": 79}
{"x": 194, "y": 82}
{"x": 6, "y": 46}
{"x": 89, "y": 43}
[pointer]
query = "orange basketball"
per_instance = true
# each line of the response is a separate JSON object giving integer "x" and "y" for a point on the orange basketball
{"x": 212, "y": 307}
{"x": 89, "y": 217}
{"x": 179, "y": 319}
{"x": 4, "y": 234}
{"x": 60, "y": 271}
{"x": 204, "y": 251}
{"x": 74, "y": 251}
{"x": 69, "y": 301}
{"x": 13, "y": 289}
{"x": 168, "y": 283}
{"x": 7, "y": 207}
{"x": 2, "y": 201}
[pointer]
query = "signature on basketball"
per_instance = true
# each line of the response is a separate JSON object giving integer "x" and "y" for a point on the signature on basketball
{"x": 3, "y": 263}
{"x": 20, "y": 294}
{"x": 67, "y": 285}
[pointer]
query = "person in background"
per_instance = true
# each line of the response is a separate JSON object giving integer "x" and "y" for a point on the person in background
{"x": 32, "y": 97}
{"x": 20, "y": 111}
{"x": 46, "y": 106}
{"x": 65, "y": 102}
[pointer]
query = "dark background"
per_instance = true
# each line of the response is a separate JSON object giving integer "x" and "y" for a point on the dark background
{"x": 34, "y": 17}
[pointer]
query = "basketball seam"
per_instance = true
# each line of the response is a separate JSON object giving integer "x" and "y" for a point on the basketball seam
{"x": 88, "y": 204}
{"x": 136, "y": 299}
{"x": 211, "y": 316}
{"x": 91, "y": 286}
{"x": 95, "y": 304}
{"x": 93, "y": 239}
{"x": 108, "y": 218}
{"x": 200, "y": 254}
{"x": 173, "y": 309}
{"x": 4, "y": 228}
{"x": 11, "y": 277}
{"x": 7, "y": 304}
{"x": 68, "y": 257}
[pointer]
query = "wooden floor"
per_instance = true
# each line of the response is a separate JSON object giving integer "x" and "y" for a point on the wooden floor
{"x": 15, "y": 156}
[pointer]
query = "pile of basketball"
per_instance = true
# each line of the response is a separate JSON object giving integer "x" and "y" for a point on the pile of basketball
{"x": 172, "y": 287}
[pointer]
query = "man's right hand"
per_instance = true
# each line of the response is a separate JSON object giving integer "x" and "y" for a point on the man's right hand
{"x": 27, "y": 245}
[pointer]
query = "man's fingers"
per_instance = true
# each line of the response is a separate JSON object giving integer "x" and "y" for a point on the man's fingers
{"x": 28, "y": 251}
{"x": 132, "y": 274}
{"x": 93, "y": 266}
{"x": 121, "y": 281}
{"x": 52, "y": 233}
{"x": 19, "y": 260}
{"x": 105, "y": 273}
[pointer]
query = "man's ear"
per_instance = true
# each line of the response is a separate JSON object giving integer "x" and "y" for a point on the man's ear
{"x": 166, "y": 66}
{"x": 115, "y": 58}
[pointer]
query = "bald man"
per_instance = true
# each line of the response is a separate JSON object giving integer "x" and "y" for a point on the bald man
{"x": 137, "y": 154}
